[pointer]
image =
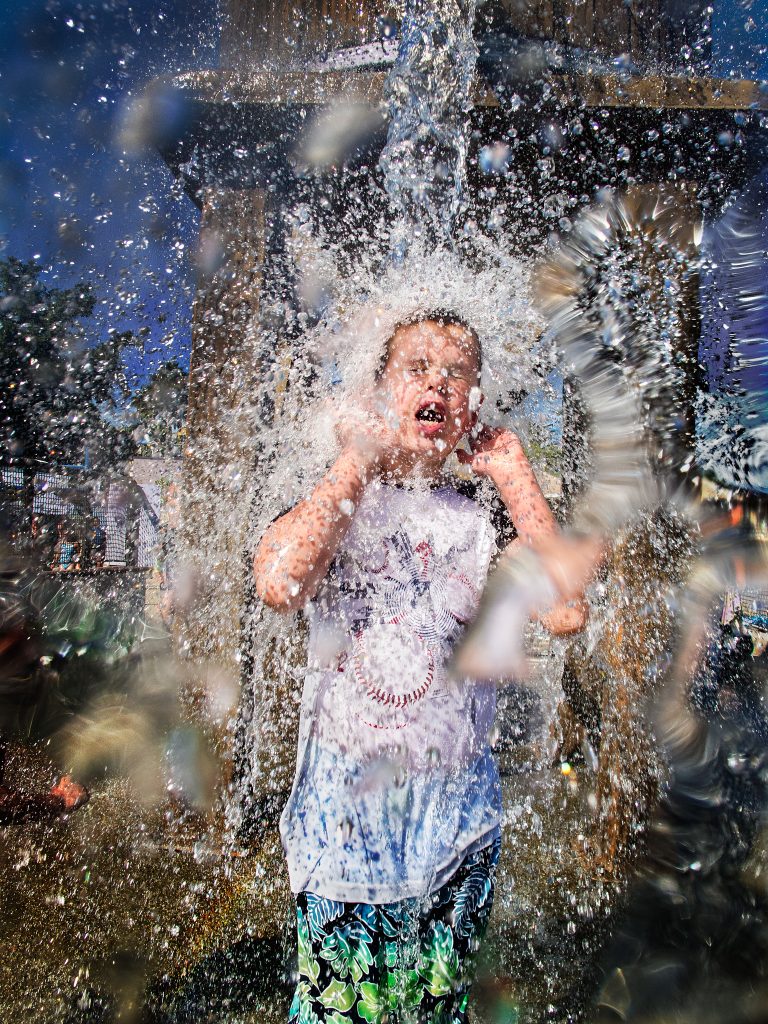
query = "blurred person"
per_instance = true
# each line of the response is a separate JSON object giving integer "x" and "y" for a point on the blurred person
{"x": 21, "y": 685}
{"x": 17, "y": 806}
{"x": 67, "y": 551}
{"x": 392, "y": 829}
{"x": 95, "y": 543}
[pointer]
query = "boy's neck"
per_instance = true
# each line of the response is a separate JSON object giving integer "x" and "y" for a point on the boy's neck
{"x": 414, "y": 476}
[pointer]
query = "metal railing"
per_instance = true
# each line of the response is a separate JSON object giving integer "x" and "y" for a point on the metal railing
{"x": 77, "y": 522}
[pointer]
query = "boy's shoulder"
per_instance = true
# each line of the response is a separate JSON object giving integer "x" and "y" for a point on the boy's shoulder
{"x": 465, "y": 487}
{"x": 487, "y": 501}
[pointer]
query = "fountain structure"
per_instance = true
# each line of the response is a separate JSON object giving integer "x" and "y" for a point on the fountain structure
{"x": 568, "y": 98}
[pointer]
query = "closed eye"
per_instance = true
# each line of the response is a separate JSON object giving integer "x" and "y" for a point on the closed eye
{"x": 458, "y": 373}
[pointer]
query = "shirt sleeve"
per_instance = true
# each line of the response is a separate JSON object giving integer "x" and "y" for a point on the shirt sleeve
{"x": 502, "y": 524}
{"x": 500, "y": 527}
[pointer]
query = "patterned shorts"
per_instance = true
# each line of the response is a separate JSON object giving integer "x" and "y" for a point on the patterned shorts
{"x": 409, "y": 962}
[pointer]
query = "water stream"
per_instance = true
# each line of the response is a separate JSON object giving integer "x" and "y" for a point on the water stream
{"x": 429, "y": 93}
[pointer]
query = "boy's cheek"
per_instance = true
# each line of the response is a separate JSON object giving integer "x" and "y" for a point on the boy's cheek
{"x": 462, "y": 421}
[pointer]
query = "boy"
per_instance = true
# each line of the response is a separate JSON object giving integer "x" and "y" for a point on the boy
{"x": 392, "y": 828}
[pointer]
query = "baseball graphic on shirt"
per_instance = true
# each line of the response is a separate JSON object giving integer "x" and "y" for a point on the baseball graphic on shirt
{"x": 412, "y": 609}
{"x": 393, "y": 670}
{"x": 423, "y": 596}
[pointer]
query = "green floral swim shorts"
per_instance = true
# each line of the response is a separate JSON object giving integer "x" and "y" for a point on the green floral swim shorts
{"x": 409, "y": 962}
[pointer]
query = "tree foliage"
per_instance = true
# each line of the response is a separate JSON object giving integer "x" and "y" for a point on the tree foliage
{"x": 542, "y": 447}
{"x": 161, "y": 407}
{"x": 60, "y": 396}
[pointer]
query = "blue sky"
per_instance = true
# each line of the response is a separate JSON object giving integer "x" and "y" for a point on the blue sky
{"x": 68, "y": 196}
{"x": 740, "y": 38}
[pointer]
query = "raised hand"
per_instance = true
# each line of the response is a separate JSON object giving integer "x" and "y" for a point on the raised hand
{"x": 498, "y": 454}
{"x": 359, "y": 427}
{"x": 493, "y": 448}
{"x": 378, "y": 446}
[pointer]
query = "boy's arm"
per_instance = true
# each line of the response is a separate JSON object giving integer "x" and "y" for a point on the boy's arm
{"x": 297, "y": 549}
{"x": 499, "y": 455}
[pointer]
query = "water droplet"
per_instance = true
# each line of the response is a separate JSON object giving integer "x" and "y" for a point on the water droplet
{"x": 344, "y": 831}
{"x": 388, "y": 28}
{"x": 494, "y": 159}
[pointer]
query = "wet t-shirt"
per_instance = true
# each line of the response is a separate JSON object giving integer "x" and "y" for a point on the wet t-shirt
{"x": 395, "y": 781}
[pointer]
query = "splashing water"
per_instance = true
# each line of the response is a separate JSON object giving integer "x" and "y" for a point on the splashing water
{"x": 340, "y": 357}
{"x": 429, "y": 92}
{"x": 618, "y": 333}
{"x": 615, "y": 315}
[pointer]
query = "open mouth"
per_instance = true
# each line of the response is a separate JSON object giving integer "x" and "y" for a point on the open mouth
{"x": 431, "y": 412}
{"x": 430, "y": 417}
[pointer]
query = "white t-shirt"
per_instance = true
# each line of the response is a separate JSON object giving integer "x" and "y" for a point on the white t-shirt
{"x": 395, "y": 782}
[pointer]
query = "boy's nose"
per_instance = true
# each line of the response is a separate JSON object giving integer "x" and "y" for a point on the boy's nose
{"x": 437, "y": 381}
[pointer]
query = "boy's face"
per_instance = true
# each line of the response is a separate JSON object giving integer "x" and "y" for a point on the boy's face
{"x": 429, "y": 375}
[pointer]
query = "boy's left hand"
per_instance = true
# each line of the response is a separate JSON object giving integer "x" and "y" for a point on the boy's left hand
{"x": 492, "y": 448}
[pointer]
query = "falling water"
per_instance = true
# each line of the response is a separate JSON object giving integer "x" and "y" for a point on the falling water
{"x": 429, "y": 92}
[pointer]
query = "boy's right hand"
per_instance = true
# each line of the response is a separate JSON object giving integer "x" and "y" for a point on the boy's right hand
{"x": 357, "y": 427}
{"x": 367, "y": 433}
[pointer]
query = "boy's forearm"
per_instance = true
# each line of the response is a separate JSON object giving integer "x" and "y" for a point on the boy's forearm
{"x": 296, "y": 551}
{"x": 536, "y": 526}
{"x": 524, "y": 500}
